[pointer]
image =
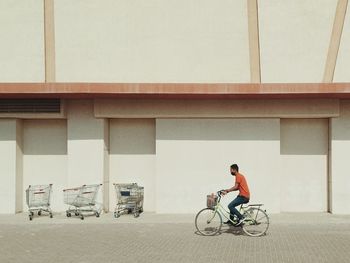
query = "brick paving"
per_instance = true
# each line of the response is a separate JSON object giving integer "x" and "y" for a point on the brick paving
{"x": 171, "y": 238}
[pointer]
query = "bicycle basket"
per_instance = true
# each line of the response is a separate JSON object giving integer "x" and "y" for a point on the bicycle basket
{"x": 212, "y": 200}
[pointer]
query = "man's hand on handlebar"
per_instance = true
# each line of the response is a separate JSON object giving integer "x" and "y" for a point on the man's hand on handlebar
{"x": 223, "y": 192}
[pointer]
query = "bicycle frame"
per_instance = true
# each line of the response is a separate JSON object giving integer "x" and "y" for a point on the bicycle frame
{"x": 223, "y": 212}
{"x": 220, "y": 210}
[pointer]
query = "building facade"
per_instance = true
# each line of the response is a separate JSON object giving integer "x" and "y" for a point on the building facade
{"x": 169, "y": 94}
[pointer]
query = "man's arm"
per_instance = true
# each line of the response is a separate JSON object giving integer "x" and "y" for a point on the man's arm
{"x": 234, "y": 188}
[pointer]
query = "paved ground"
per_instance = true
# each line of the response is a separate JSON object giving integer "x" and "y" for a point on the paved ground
{"x": 165, "y": 238}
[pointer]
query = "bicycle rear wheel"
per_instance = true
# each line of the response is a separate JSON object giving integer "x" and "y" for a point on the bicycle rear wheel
{"x": 257, "y": 222}
{"x": 208, "y": 222}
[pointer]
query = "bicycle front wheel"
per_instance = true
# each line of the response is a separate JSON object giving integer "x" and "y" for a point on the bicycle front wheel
{"x": 256, "y": 223}
{"x": 208, "y": 222}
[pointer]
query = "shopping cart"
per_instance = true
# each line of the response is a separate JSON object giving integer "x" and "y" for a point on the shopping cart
{"x": 82, "y": 199}
{"x": 129, "y": 199}
{"x": 38, "y": 199}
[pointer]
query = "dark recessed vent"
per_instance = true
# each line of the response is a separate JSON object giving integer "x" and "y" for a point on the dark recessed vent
{"x": 30, "y": 105}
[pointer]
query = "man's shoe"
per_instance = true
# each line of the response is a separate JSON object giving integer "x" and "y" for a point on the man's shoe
{"x": 228, "y": 222}
{"x": 240, "y": 222}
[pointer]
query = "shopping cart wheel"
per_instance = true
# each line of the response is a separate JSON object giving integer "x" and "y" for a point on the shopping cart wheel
{"x": 68, "y": 214}
{"x": 97, "y": 214}
{"x": 30, "y": 217}
{"x": 39, "y": 213}
{"x": 116, "y": 214}
{"x": 82, "y": 217}
{"x": 76, "y": 214}
{"x": 136, "y": 214}
{"x": 51, "y": 216}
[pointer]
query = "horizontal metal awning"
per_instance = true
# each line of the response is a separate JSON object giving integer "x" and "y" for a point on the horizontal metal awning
{"x": 175, "y": 90}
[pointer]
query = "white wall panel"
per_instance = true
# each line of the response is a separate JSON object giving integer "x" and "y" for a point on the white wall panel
{"x": 45, "y": 157}
{"x": 193, "y": 159}
{"x": 22, "y": 41}
{"x": 304, "y": 149}
{"x": 340, "y": 160}
{"x": 8, "y": 166}
{"x": 152, "y": 41}
{"x": 294, "y": 39}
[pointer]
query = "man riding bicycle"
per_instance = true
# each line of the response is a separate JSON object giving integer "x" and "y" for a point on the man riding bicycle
{"x": 242, "y": 198}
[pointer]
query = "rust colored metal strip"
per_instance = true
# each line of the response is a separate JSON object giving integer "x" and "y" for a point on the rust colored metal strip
{"x": 172, "y": 90}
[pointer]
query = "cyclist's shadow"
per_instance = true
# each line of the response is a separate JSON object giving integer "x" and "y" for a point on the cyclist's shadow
{"x": 238, "y": 231}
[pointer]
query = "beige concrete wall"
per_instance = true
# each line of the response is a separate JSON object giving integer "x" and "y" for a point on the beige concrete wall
{"x": 178, "y": 161}
{"x": 340, "y": 160}
{"x": 151, "y": 41}
{"x": 45, "y": 157}
{"x": 22, "y": 41}
{"x": 304, "y": 150}
{"x": 9, "y": 166}
{"x": 169, "y": 41}
{"x": 193, "y": 159}
{"x": 132, "y": 157}
{"x": 341, "y": 73}
{"x": 294, "y": 39}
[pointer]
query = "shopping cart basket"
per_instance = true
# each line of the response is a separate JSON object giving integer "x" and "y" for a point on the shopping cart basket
{"x": 82, "y": 199}
{"x": 38, "y": 199}
{"x": 129, "y": 199}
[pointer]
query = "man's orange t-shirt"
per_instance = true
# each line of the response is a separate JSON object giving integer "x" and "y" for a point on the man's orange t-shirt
{"x": 242, "y": 185}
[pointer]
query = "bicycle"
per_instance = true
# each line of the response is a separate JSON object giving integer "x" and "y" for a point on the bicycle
{"x": 209, "y": 220}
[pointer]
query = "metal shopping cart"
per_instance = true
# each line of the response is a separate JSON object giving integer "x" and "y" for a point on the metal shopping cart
{"x": 38, "y": 199}
{"x": 129, "y": 199}
{"x": 82, "y": 199}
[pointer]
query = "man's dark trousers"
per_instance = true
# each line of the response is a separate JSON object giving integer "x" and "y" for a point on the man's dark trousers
{"x": 236, "y": 202}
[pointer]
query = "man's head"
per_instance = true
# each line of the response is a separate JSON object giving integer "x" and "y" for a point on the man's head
{"x": 234, "y": 169}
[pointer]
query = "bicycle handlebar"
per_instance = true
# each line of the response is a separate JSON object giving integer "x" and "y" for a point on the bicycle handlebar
{"x": 219, "y": 194}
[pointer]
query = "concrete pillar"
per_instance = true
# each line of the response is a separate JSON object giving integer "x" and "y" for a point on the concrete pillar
{"x": 106, "y": 151}
{"x": 133, "y": 157}
{"x": 87, "y": 147}
{"x": 339, "y": 163}
{"x": 11, "y": 169}
{"x": 19, "y": 166}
